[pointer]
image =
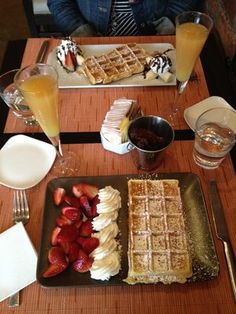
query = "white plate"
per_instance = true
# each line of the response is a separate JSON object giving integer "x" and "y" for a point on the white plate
{"x": 192, "y": 113}
{"x": 25, "y": 161}
{"x": 75, "y": 80}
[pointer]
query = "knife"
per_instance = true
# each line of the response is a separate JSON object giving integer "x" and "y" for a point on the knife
{"x": 222, "y": 232}
{"x": 42, "y": 51}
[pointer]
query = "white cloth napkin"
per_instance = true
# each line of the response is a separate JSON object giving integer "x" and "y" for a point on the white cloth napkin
{"x": 18, "y": 261}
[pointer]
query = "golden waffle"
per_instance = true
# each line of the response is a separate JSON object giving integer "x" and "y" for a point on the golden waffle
{"x": 157, "y": 246}
{"x": 121, "y": 62}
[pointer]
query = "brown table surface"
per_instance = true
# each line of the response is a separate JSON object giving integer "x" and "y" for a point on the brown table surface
{"x": 82, "y": 110}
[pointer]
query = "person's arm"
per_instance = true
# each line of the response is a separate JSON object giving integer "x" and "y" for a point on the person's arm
{"x": 68, "y": 17}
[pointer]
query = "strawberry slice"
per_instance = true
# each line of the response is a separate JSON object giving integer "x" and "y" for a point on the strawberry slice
{"x": 73, "y": 251}
{"x": 77, "y": 190}
{"x": 88, "y": 244}
{"x": 56, "y": 255}
{"x": 72, "y": 201}
{"x": 86, "y": 208}
{"x": 90, "y": 190}
{"x": 54, "y": 235}
{"x": 65, "y": 245}
{"x": 83, "y": 263}
{"x": 54, "y": 269}
{"x": 68, "y": 233}
{"x": 72, "y": 213}
{"x": 95, "y": 201}
{"x": 58, "y": 196}
{"x": 70, "y": 62}
{"x": 86, "y": 228}
{"x": 62, "y": 220}
{"x": 84, "y": 188}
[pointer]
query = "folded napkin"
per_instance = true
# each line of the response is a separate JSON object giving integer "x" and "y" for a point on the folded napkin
{"x": 18, "y": 261}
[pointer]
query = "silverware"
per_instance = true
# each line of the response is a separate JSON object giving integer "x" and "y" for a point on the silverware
{"x": 20, "y": 214}
{"x": 222, "y": 232}
{"x": 42, "y": 51}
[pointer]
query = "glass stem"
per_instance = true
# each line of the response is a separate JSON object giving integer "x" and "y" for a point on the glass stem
{"x": 180, "y": 89}
{"x": 56, "y": 142}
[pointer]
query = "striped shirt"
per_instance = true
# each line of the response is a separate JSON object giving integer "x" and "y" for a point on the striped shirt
{"x": 122, "y": 21}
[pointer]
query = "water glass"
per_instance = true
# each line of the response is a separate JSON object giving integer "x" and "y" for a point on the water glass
{"x": 13, "y": 98}
{"x": 214, "y": 137}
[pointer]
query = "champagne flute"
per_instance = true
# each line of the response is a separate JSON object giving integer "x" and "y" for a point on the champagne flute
{"x": 192, "y": 30}
{"x": 38, "y": 83}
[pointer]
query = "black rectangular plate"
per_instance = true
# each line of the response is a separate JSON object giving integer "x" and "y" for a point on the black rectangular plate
{"x": 204, "y": 259}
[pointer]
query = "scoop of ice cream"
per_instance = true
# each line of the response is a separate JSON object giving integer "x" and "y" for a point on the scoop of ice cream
{"x": 161, "y": 63}
{"x": 69, "y": 55}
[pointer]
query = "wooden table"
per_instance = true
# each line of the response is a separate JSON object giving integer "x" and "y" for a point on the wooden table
{"x": 82, "y": 112}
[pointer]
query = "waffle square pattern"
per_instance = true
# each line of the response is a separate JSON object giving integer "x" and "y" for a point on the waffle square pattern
{"x": 158, "y": 249}
{"x": 122, "y": 62}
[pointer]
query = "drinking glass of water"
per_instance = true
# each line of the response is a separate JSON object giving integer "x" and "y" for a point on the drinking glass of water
{"x": 14, "y": 100}
{"x": 214, "y": 137}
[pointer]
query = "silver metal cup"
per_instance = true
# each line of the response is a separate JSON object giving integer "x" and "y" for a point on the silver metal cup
{"x": 149, "y": 136}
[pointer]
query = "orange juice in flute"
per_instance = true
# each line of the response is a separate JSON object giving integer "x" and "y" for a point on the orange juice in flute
{"x": 192, "y": 30}
{"x": 38, "y": 84}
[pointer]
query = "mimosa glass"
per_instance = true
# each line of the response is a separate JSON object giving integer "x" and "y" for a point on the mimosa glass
{"x": 192, "y": 30}
{"x": 38, "y": 83}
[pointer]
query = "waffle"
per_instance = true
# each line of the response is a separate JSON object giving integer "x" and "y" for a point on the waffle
{"x": 119, "y": 63}
{"x": 158, "y": 248}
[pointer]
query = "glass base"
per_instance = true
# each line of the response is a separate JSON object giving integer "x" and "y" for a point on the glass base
{"x": 68, "y": 165}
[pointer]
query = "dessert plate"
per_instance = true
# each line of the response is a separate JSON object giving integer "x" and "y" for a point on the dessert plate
{"x": 192, "y": 113}
{"x": 75, "y": 80}
{"x": 204, "y": 259}
{"x": 25, "y": 161}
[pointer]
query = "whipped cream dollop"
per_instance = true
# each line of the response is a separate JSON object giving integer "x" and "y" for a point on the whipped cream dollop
{"x": 110, "y": 200}
{"x": 106, "y": 267}
{"x": 103, "y": 220}
{"x": 104, "y": 249}
{"x": 106, "y": 256}
{"x": 69, "y": 54}
{"x": 109, "y": 232}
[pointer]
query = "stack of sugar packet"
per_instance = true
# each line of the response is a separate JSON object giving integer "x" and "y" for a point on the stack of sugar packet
{"x": 112, "y": 135}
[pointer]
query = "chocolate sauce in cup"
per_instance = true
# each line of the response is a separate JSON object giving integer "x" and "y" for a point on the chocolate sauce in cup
{"x": 149, "y": 136}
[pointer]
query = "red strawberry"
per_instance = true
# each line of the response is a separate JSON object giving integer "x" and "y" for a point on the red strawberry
{"x": 70, "y": 62}
{"x": 86, "y": 208}
{"x": 72, "y": 201}
{"x": 88, "y": 244}
{"x": 95, "y": 201}
{"x": 62, "y": 220}
{"x": 65, "y": 245}
{"x": 54, "y": 269}
{"x": 54, "y": 235}
{"x": 78, "y": 223}
{"x": 83, "y": 263}
{"x": 58, "y": 196}
{"x": 73, "y": 251}
{"x": 77, "y": 190}
{"x": 71, "y": 213}
{"x": 56, "y": 255}
{"x": 68, "y": 233}
{"x": 86, "y": 228}
{"x": 84, "y": 188}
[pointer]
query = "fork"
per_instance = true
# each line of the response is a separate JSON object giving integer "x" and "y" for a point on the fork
{"x": 20, "y": 214}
